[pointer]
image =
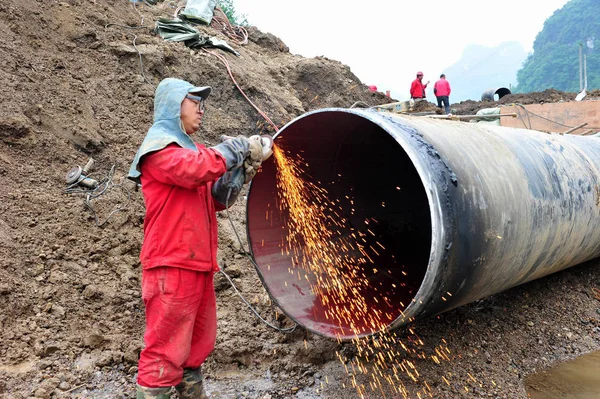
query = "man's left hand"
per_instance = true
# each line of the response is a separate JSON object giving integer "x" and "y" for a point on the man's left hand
{"x": 254, "y": 159}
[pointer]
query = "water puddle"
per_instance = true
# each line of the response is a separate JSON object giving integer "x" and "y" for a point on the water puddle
{"x": 576, "y": 379}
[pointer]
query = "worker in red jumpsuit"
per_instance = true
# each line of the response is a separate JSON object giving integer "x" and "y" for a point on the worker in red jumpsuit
{"x": 183, "y": 184}
{"x": 417, "y": 88}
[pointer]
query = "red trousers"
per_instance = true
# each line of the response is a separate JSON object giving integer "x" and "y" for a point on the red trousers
{"x": 181, "y": 324}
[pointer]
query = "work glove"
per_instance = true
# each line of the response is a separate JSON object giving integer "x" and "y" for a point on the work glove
{"x": 252, "y": 152}
{"x": 228, "y": 187}
{"x": 255, "y": 157}
{"x": 235, "y": 150}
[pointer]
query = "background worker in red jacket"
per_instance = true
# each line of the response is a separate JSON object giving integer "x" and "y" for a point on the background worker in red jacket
{"x": 441, "y": 89}
{"x": 183, "y": 184}
{"x": 417, "y": 88}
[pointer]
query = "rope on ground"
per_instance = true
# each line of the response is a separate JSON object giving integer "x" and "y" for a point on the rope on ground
{"x": 224, "y": 61}
{"x": 220, "y": 22}
{"x": 288, "y": 330}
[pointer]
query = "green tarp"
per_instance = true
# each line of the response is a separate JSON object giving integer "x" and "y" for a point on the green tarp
{"x": 199, "y": 11}
{"x": 177, "y": 30}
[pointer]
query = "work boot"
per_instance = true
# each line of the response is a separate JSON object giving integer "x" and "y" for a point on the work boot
{"x": 192, "y": 385}
{"x": 152, "y": 393}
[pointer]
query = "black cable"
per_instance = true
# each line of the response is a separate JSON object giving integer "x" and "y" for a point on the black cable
{"x": 135, "y": 47}
{"x": 288, "y": 330}
{"x": 141, "y": 63}
{"x": 127, "y": 26}
{"x": 104, "y": 186}
{"x": 521, "y": 117}
{"x": 527, "y": 112}
{"x": 136, "y": 10}
{"x": 283, "y": 330}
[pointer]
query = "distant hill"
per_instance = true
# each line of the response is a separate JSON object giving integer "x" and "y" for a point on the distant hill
{"x": 554, "y": 62}
{"x": 481, "y": 68}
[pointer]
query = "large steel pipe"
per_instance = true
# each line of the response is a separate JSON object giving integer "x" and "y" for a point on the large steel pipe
{"x": 463, "y": 210}
{"x": 490, "y": 94}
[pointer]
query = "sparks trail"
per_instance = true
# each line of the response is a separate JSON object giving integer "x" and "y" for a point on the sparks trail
{"x": 332, "y": 257}
{"x": 332, "y": 261}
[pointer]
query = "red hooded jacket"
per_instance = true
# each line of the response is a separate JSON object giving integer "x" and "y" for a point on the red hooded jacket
{"x": 180, "y": 228}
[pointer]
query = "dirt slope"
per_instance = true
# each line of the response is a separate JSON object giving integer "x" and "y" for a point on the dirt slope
{"x": 73, "y": 87}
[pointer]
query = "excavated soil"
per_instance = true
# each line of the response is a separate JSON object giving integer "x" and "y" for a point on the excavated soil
{"x": 77, "y": 81}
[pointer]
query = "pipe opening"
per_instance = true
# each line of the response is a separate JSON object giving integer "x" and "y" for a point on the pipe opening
{"x": 495, "y": 94}
{"x": 378, "y": 197}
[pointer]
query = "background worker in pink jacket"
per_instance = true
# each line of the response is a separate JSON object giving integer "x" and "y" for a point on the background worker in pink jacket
{"x": 441, "y": 89}
{"x": 184, "y": 184}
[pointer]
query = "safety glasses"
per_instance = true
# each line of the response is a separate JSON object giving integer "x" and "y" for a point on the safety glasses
{"x": 198, "y": 100}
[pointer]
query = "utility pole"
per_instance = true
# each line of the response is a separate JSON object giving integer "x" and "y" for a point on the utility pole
{"x": 585, "y": 72}
{"x": 580, "y": 67}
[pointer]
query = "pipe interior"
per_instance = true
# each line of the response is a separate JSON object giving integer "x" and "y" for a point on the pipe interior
{"x": 375, "y": 190}
{"x": 501, "y": 92}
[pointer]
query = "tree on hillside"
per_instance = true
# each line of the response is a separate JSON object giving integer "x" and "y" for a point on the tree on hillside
{"x": 229, "y": 10}
{"x": 554, "y": 62}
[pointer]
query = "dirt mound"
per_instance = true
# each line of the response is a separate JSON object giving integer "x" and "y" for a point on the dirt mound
{"x": 425, "y": 107}
{"x": 77, "y": 80}
{"x": 470, "y": 107}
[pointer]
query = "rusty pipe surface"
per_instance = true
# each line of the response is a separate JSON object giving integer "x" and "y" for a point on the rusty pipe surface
{"x": 463, "y": 210}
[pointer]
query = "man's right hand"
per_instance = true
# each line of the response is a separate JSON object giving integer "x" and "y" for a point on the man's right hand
{"x": 228, "y": 187}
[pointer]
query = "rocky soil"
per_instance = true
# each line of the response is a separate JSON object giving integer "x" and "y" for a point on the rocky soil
{"x": 77, "y": 79}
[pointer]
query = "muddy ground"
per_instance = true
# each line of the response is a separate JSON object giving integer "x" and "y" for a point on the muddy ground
{"x": 77, "y": 79}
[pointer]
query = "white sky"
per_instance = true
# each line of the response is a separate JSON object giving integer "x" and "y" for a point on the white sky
{"x": 385, "y": 42}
